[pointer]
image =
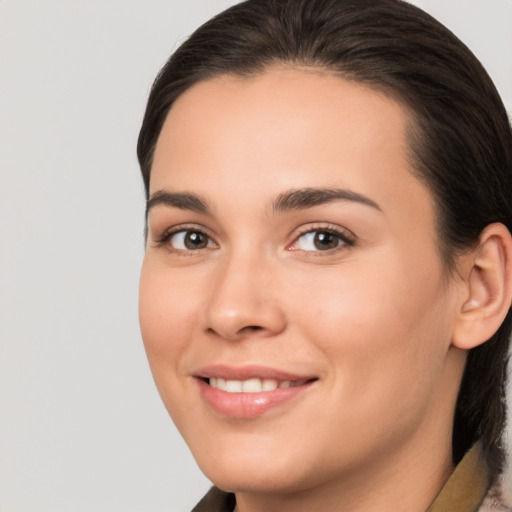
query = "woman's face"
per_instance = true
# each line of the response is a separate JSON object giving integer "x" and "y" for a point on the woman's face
{"x": 293, "y": 303}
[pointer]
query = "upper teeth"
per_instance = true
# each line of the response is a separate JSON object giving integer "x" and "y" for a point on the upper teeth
{"x": 250, "y": 385}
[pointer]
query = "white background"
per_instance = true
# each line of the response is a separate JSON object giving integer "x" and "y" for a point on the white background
{"x": 81, "y": 425}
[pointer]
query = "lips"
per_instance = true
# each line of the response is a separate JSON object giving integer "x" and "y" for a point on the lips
{"x": 249, "y": 392}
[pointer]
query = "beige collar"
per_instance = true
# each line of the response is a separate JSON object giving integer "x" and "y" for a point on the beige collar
{"x": 467, "y": 487}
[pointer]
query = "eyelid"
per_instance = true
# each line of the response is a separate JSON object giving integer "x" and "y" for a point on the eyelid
{"x": 162, "y": 239}
{"x": 347, "y": 237}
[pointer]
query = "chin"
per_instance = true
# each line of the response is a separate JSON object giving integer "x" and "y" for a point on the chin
{"x": 265, "y": 479}
{"x": 258, "y": 470}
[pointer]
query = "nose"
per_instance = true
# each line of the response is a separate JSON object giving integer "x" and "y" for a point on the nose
{"x": 243, "y": 301}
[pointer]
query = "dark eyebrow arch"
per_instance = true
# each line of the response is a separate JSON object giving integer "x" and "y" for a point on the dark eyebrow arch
{"x": 299, "y": 199}
{"x": 181, "y": 200}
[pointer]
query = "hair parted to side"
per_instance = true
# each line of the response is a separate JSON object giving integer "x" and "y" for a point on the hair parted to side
{"x": 460, "y": 140}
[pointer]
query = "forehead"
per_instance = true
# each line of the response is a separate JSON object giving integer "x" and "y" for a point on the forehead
{"x": 287, "y": 128}
{"x": 282, "y": 101}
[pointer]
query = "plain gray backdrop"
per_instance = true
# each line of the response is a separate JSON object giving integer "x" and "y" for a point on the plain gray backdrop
{"x": 81, "y": 425}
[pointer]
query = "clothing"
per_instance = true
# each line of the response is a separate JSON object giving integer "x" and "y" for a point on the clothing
{"x": 216, "y": 500}
{"x": 467, "y": 490}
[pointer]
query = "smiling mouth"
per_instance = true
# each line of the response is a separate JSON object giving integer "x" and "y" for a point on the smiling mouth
{"x": 247, "y": 393}
{"x": 254, "y": 385}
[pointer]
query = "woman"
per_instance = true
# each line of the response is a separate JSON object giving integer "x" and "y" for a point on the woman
{"x": 325, "y": 296}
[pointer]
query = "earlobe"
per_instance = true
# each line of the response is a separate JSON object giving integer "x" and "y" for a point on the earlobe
{"x": 488, "y": 288}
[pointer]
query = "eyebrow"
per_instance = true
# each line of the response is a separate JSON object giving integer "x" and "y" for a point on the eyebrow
{"x": 303, "y": 198}
{"x": 296, "y": 199}
{"x": 181, "y": 200}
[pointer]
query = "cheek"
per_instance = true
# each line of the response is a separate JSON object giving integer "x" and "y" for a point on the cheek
{"x": 166, "y": 309}
{"x": 382, "y": 328}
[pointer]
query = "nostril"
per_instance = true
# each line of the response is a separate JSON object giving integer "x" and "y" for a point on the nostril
{"x": 246, "y": 329}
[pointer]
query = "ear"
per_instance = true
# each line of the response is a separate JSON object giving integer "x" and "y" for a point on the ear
{"x": 487, "y": 293}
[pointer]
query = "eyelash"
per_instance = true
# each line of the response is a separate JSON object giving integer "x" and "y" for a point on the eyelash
{"x": 345, "y": 237}
{"x": 165, "y": 238}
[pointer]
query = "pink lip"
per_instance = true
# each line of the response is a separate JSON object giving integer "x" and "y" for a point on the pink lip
{"x": 248, "y": 405}
{"x": 248, "y": 372}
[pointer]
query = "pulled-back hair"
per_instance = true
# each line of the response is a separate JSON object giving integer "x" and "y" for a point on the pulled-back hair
{"x": 460, "y": 138}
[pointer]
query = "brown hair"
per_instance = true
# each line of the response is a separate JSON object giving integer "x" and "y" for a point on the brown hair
{"x": 461, "y": 141}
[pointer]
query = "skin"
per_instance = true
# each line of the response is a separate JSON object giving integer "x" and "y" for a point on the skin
{"x": 373, "y": 319}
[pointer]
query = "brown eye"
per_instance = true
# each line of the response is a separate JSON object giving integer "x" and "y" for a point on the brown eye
{"x": 195, "y": 240}
{"x": 324, "y": 241}
{"x": 318, "y": 240}
{"x": 190, "y": 241}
